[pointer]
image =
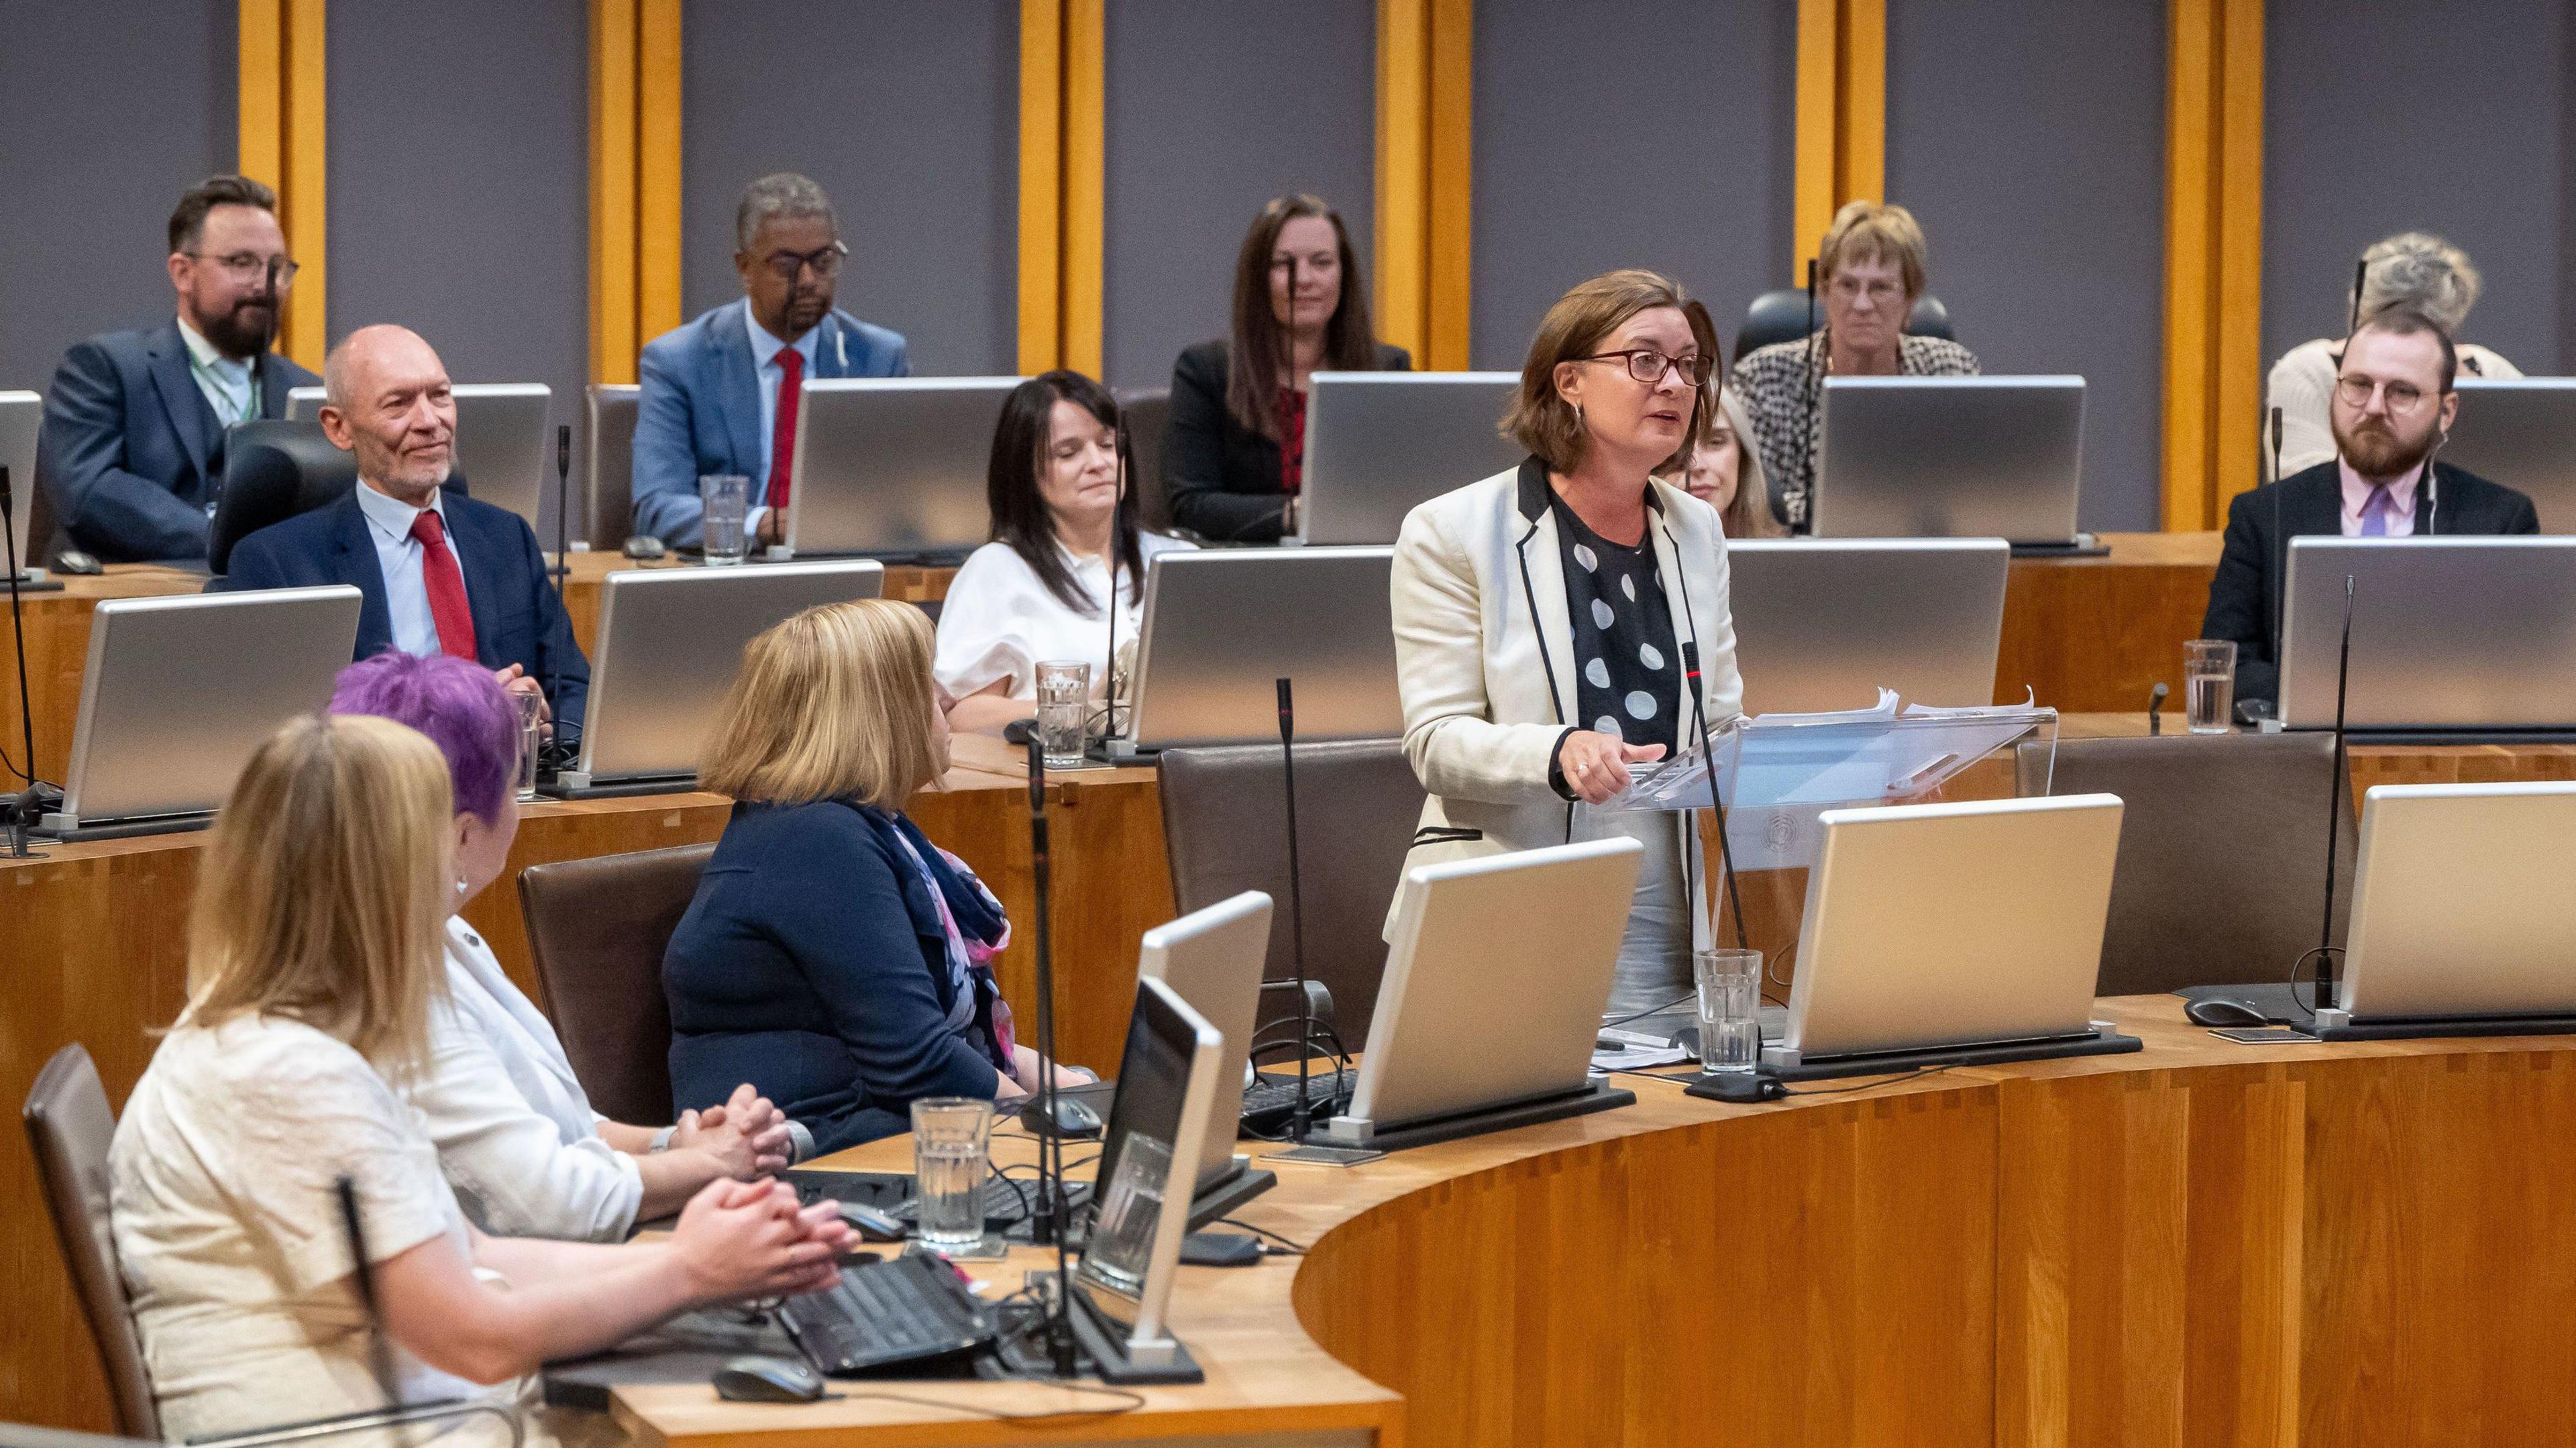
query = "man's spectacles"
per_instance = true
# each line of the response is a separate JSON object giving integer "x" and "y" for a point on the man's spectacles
{"x": 787, "y": 265}
{"x": 247, "y": 267}
{"x": 2354, "y": 391}
{"x": 1649, "y": 366}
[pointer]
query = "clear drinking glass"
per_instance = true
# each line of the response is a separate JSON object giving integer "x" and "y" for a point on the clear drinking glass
{"x": 2209, "y": 685}
{"x": 728, "y": 500}
{"x": 950, "y": 1136}
{"x": 531, "y": 741}
{"x": 1064, "y": 710}
{"x": 1730, "y": 1008}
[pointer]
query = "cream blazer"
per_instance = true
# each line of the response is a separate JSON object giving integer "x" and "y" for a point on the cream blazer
{"x": 1484, "y": 653}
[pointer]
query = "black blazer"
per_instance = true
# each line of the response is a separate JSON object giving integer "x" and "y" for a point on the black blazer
{"x": 1223, "y": 477}
{"x": 518, "y": 619}
{"x": 2253, "y": 566}
{"x": 132, "y": 453}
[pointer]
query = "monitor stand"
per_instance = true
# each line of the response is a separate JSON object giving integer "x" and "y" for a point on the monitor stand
{"x": 2101, "y": 1040}
{"x": 1592, "y": 1096}
{"x": 573, "y": 784}
{"x": 2338, "y": 1025}
{"x": 71, "y": 828}
{"x": 1122, "y": 1362}
{"x": 2082, "y": 545}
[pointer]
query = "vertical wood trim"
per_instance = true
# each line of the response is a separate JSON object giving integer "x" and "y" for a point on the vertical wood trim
{"x": 1403, "y": 173}
{"x": 613, "y": 339}
{"x": 1860, "y": 103}
{"x": 657, "y": 168}
{"x": 1450, "y": 239}
{"x": 1841, "y": 110}
{"x": 2238, "y": 381}
{"x": 1086, "y": 66}
{"x": 282, "y": 110}
{"x": 2213, "y": 258}
{"x": 1041, "y": 218}
{"x": 262, "y": 92}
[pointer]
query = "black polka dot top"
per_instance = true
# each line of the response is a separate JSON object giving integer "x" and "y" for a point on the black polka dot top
{"x": 1628, "y": 674}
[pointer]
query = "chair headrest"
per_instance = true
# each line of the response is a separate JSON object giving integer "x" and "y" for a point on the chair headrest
{"x": 273, "y": 471}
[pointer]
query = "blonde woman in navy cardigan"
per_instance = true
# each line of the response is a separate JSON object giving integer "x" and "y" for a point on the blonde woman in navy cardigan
{"x": 834, "y": 957}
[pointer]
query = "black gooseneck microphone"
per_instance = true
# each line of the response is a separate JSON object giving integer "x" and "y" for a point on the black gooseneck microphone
{"x": 563, "y": 506}
{"x": 2280, "y": 583}
{"x": 1117, "y": 555}
{"x": 1717, "y": 801}
{"x": 2325, "y": 950}
{"x": 2360, "y": 273}
{"x": 22, "y": 812}
{"x": 2156, "y": 709}
{"x": 1301, "y": 1120}
{"x": 1810, "y": 396}
{"x": 380, "y": 1358}
{"x": 1049, "y": 1220}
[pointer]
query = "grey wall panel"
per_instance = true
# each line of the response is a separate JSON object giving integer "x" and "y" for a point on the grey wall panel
{"x": 108, "y": 110}
{"x": 2384, "y": 116}
{"x": 1213, "y": 110}
{"x": 460, "y": 190}
{"x": 907, "y": 113}
{"x": 1571, "y": 182}
{"x": 2028, "y": 138}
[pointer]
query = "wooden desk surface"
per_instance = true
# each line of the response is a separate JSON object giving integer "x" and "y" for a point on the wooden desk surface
{"x": 2201, "y": 1243}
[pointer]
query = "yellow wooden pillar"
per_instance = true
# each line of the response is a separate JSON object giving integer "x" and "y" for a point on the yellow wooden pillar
{"x": 283, "y": 110}
{"x": 2213, "y": 258}
{"x": 634, "y": 180}
{"x": 1841, "y": 116}
{"x": 1425, "y": 148}
{"x": 1063, "y": 69}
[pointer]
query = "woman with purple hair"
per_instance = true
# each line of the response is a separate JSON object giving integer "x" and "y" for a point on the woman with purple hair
{"x": 515, "y": 1132}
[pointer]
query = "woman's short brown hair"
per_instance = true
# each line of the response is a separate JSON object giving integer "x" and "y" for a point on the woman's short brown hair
{"x": 834, "y": 703}
{"x": 1541, "y": 419}
{"x": 1866, "y": 231}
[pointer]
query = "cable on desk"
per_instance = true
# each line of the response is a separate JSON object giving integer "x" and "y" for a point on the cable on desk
{"x": 1127, "y": 1402}
{"x": 1915, "y": 1073}
{"x": 1285, "y": 1246}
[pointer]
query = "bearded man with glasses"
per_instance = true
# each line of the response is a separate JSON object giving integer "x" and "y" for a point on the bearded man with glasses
{"x": 132, "y": 454}
{"x": 2391, "y": 410}
{"x": 719, "y": 394}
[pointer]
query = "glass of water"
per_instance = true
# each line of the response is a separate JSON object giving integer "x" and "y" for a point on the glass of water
{"x": 531, "y": 707}
{"x": 950, "y": 1138}
{"x": 727, "y": 497}
{"x": 2209, "y": 685}
{"x": 1730, "y": 1008}
{"x": 1064, "y": 711}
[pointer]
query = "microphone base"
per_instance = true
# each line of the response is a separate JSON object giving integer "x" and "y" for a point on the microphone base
{"x": 1745, "y": 1088}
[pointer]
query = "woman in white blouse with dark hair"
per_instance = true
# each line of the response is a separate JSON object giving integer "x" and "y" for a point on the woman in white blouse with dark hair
{"x": 1063, "y": 519}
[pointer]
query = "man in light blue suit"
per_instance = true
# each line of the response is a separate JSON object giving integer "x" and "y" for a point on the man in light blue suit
{"x": 719, "y": 394}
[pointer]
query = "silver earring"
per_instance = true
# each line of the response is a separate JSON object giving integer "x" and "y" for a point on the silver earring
{"x": 461, "y": 887}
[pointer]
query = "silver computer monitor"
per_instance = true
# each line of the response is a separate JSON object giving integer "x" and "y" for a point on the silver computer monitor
{"x": 2447, "y": 633}
{"x": 503, "y": 450}
{"x": 1379, "y": 443}
{"x": 1950, "y": 457}
{"x": 1825, "y": 623}
{"x": 1952, "y": 924}
{"x": 2521, "y": 432}
{"x": 1222, "y": 627}
{"x": 1213, "y": 958}
{"x": 179, "y": 692}
{"x": 893, "y": 465}
{"x": 608, "y": 461}
{"x": 670, "y": 643}
{"x": 1149, "y": 1159}
{"x": 22, "y": 416}
{"x": 2460, "y": 903}
{"x": 1496, "y": 973}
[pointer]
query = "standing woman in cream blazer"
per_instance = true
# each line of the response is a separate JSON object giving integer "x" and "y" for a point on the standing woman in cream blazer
{"x": 1546, "y": 616}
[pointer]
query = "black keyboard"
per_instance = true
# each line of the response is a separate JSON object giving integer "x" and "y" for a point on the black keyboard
{"x": 904, "y": 1315}
{"x": 1272, "y": 1097}
{"x": 1007, "y": 1200}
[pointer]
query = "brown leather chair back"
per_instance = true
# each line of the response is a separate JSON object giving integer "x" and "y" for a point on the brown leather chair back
{"x": 598, "y": 928}
{"x": 2222, "y": 871}
{"x": 70, "y": 1126}
{"x": 1225, "y": 827}
{"x": 1148, "y": 415}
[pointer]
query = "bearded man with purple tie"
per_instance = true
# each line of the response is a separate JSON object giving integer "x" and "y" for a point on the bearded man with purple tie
{"x": 2392, "y": 408}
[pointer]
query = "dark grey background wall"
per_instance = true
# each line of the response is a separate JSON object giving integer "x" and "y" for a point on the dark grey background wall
{"x": 907, "y": 112}
{"x": 86, "y": 186}
{"x": 2028, "y": 138}
{"x": 1571, "y": 180}
{"x": 1211, "y": 111}
{"x": 460, "y": 191}
{"x": 2384, "y": 116}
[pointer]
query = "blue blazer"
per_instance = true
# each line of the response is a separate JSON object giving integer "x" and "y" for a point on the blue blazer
{"x": 813, "y": 965}
{"x": 132, "y": 454}
{"x": 518, "y": 618}
{"x": 699, "y": 409}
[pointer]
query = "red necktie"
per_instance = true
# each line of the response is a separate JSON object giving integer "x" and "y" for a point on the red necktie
{"x": 782, "y": 437}
{"x": 438, "y": 573}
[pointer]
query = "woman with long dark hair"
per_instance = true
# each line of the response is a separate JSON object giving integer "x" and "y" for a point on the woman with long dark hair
{"x": 1235, "y": 458}
{"x": 1064, "y": 525}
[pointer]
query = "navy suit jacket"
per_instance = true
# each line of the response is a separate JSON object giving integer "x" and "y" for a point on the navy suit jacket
{"x": 813, "y": 964}
{"x": 699, "y": 408}
{"x": 518, "y": 618}
{"x": 132, "y": 453}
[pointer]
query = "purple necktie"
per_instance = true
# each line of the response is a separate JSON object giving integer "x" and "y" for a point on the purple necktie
{"x": 2374, "y": 512}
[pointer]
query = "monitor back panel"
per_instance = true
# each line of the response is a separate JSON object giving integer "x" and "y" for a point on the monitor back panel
{"x": 180, "y": 692}
{"x": 503, "y": 450}
{"x": 670, "y": 643}
{"x": 22, "y": 416}
{"x": 1379, "y": 443}
{"x": 2521, "y": 432}
{"x": 1948, "y": 924}
{"x": 1950, "y": 457}
{"x": 1823, "y": 624}
{"x": 2447, "y": 633}
{"x": 893, "y": 464}
{"x": 1223, "y": 626}
{"x": 1212, "y": 959}
{"x": 609, "y": 459}
{"x": 2461, "y": 902}
{"x": 1495, "y": 980}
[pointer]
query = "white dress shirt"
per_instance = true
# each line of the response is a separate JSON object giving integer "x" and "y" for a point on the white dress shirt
{"x": 1000, "y": 621}
{"x": 400, "y": 555}
{"x": 225, "y": 382}
{"x": 764, "y": 365}
{"x": 516, "y": 1136}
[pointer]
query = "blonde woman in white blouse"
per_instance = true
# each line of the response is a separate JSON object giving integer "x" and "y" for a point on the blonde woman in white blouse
{"x": 1063, "y": 520}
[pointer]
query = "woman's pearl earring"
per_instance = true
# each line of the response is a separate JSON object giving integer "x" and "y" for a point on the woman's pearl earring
{"x": 461, "y": 887}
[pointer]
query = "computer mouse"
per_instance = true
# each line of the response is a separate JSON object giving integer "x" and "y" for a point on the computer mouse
{"x": 644, "y": 547}
{"x": 1073, "y": 1117}
{"x": 767, "y": 1380}
{"x": 2225, "y": 1011}
{"x": 870, "y": 1223}
{"x": 72, "y": 560}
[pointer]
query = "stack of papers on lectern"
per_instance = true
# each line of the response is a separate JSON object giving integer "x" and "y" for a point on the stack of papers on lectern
{"x": 1856, "y": 756}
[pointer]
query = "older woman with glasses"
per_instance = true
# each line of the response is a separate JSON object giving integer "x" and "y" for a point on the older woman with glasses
{"x": 1871, "y": 271}
{"x": 1565, "y": 620}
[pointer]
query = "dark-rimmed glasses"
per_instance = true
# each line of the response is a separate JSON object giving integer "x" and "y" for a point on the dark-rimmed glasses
{"x": 1649, "y": 366}
{"x": 786, "y": 265}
